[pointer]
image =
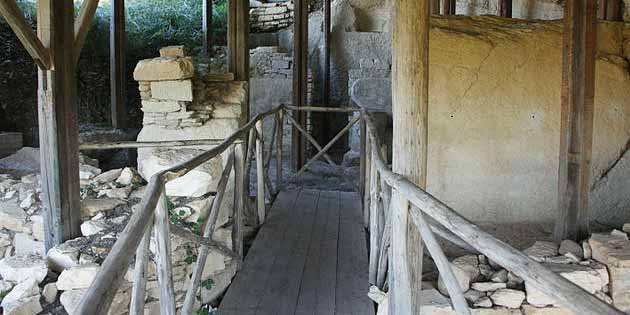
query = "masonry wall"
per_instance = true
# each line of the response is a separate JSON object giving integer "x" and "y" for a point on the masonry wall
{"x": 494, "y": 111}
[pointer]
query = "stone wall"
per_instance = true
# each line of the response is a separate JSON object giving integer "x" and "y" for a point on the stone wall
{"x": 494, "y": 125}
{"x": 269, "y": 17}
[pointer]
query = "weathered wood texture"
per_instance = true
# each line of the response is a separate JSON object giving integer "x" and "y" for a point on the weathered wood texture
{"x": 576, "y": 119}
{"x": 448, "y": 7}
{"x": 58, "y": 126}
{"x": 410, "y": 94}
{"x": 164, "y": 267}
{"x": 231, "y": 36}
{"x": 308, "y": 258}
{"x": 505, "y": 8}
{"x": 551, "y": 284}
{"x": 139, "y": 286}
{"x": 310, "y": 139}
{"x": 33, "y": 45}
{"x": 300, "y": 79}
{"x": 260, "y": 174}
{"x": 242, "y": 43}
{"x": 118, "y": 73}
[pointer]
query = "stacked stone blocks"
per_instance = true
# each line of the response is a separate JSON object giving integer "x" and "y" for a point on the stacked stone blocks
{"x": 269, "y": 17}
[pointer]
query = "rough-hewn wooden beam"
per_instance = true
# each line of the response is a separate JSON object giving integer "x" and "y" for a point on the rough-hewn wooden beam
{"x": 505, "y": 8}
{"x": 410, "y": 87}
{"x": 82, "y": 25}
{"x": 118, "y": 73}
{"x": 300, "y": 79}
{"x": 576, "y": 116}
{"x": 231, "y": 35}
{"x": 242, "y": 41}
{"x": 448, "y": 7}
{"x": 206, "y": 26}
{"x": 58, "y": 126}
{"x": 613, "y": 10}
{"x": 14, "y": 17}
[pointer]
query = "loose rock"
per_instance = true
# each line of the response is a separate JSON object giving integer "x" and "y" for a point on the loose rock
{"x": 21, "y": 268}
{"x": 508, "y": 298}
{"x": 79, "y": 277}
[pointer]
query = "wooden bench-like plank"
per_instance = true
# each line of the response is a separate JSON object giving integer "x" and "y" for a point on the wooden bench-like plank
{"x": 250, "y": 283}
{"x": 352, "y": 263}
{"x": 283, "y": 287}
{"x": 317, "y": 291}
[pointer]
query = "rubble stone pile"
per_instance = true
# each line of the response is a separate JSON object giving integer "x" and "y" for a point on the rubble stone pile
{"x": 600, "y": 265}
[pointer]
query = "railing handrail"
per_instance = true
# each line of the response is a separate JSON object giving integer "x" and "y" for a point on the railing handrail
{"x": 100, "y": 294}
{"x": 548, "y": 282}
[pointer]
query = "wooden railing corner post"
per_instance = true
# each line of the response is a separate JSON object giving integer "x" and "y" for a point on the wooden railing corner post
{"x": 260, "y": 175}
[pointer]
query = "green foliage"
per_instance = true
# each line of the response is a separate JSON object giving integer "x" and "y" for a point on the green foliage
{"x": 204, "y": 309}
{"x": 208, "y": 283}
{"x": 190, "y": 255}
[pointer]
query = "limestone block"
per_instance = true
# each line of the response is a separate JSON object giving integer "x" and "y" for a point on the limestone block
{"x": 164, "y": 68}
{"x": 23, "y": 299}
{"x": 12, "y": 217}
{"x": 78, "y": 277}
{"x": 610, "y": 250}
{"x": 63, "y": 256}
{"x": 156, "y": 106}
{"x": 178, "y": 90}
{"x": 90, "y": 207}
{"x": 120, "y": 304}
{"x": 463, "y": 279}
{"x": 92, "y": 227}
{"x": 49, "y": 292}
{"x": 541, "y": 250}
{"x": 569, "y": 246}
{"x": 620, "y": 287}
{"x": 587, "y": 278}
{"x": 21, "y": 268}
{"x": 172, "y": 51}
{"x": 532, "y": 310}
{"x": 25, "y": 244}
{"x": 227, "y": 110}
{"x": 488, "y": 286}
{"x": 508, "y": 298}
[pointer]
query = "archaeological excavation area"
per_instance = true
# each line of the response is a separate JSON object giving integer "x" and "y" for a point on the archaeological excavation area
{"x": 329, "y": 157}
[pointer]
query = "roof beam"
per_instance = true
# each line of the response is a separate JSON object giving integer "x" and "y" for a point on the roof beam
{"x": 14, "y": 17}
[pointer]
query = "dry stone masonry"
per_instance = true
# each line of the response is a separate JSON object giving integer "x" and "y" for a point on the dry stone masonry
{"x": 269, "y": 17}
{"x": 600, "y": 265}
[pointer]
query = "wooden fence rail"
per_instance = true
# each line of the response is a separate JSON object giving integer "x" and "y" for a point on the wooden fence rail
{"x": 458, "y": 230}
{"x": 153, "y": 216}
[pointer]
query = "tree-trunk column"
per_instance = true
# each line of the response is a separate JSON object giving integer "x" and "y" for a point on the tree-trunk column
{"x": 410, "y": 87}
{"x": 576, "y": 127}
{"x": 58, "y": 127}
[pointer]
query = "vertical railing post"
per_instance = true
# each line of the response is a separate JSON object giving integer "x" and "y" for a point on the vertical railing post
{"x": 280, "y": 131}
{"x": 163, "y": 257}
{"x": 366, "y": 188}
{"x": 362, "y": 152}
{"x": 138, "y": 290}
{"x": 260, "y": 172}
{"x": 374, "y": 221}
{"x": 240, "y": 195}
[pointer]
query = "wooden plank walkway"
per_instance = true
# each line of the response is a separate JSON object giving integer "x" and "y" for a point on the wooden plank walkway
{"x": 310, "y": 257}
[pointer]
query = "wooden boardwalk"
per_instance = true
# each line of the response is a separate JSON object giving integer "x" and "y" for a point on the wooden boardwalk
{"x": 309, "y": 257}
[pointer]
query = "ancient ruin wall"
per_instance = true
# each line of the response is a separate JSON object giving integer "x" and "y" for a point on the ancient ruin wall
{"x": 494, "y": 118}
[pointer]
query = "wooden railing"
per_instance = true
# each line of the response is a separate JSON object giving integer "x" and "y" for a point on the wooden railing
{"x": 153, "y": 216}
{"x": 380, "y": 181}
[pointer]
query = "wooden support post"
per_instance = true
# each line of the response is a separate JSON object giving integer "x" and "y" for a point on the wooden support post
{"x": 260, "y": 172}
{"x": 576, "y": 126}
{"x": 613, "y": 10}
{"x": 279, "y": 145}
{"x": 363, "y": 155}
{"x": 300, "y": 78}
{"x": 448, "y": 7}
{"x": 242, "y": 42}
{"x": 82, "y": 25}
{"x": 58, "y": 127}
{"x": 410, "y": 87}
{"x": 505, "y": 8}
{"x": 435, "y": 7}
{"x": 118, "y": 73}
{"x": 231, "y": 35}
{"x": 206, "y": 27}
{"x": 326, "y": 85}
